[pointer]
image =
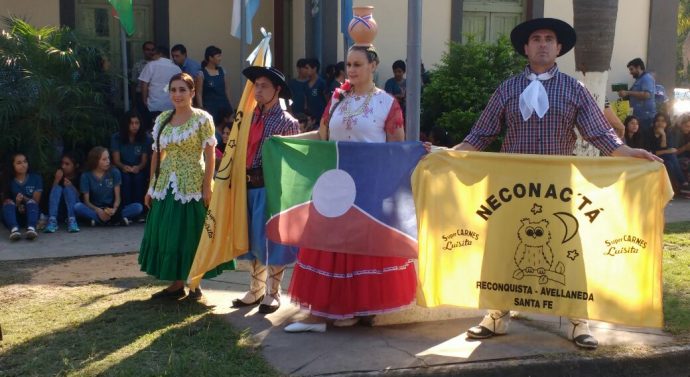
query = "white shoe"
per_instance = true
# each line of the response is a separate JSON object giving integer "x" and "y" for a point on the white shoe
{"x": 347, "y": 322}
{"x": 305, "y": 327}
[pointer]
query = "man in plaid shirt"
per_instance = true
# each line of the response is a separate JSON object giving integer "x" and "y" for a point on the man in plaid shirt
{"x": 267, "y": 259}
{"x": 540, "y": 109}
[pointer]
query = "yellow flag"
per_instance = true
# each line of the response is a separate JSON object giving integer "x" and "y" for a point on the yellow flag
{"x": 571, "y": 236}
{"x": 226, "y": 232}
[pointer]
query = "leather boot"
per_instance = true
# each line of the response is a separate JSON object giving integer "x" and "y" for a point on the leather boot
{"x": 257, "y": 286}
{"x": 271, "y": 301}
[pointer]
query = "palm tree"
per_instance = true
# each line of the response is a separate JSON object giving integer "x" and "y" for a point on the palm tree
{"x": 51, "y": 92}
{"x": 595, "y": 24}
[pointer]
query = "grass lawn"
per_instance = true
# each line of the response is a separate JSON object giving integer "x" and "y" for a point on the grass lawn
{"x": 110, "y": 328}
{"x": 677, "y": 278}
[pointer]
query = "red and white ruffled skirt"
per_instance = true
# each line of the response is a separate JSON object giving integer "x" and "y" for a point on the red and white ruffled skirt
{"x": 338, "y": 286}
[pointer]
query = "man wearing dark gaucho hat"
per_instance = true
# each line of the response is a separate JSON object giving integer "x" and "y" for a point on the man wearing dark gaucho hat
{"x": 540, "y": 108}
{"x": 267, "y": 258}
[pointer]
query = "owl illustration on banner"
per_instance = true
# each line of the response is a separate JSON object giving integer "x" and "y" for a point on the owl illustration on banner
{"x": 533, "y": 255}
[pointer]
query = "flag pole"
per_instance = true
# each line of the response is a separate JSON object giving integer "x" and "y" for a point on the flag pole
{"x": 414, "y": 74}
{"x": 243, "y": 37}
{"x": 125, "y": 75}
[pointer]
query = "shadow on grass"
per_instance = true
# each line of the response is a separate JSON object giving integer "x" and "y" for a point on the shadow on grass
{"x": 676, "y": 228}
{"x": 16, "y": 272}
{"x": 137, "y": 337}
{"x": 677, "y": 312}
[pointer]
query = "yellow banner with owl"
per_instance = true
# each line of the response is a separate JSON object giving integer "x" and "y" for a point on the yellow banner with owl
{"x": 572, "y": 236}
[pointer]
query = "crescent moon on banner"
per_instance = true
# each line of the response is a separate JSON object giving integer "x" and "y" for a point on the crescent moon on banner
{"x": 570, "y": 223}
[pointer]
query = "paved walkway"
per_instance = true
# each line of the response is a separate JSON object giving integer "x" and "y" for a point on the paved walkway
{"x": 535, "y": 345}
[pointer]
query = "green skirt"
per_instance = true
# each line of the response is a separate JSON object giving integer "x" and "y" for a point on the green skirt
{"x": 171, "y": 237}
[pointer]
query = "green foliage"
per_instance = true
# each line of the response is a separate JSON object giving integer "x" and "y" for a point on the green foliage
{"x": 463, "y": 82}
{"x": 682, "y": 30}
{"x": 51, "y": 93}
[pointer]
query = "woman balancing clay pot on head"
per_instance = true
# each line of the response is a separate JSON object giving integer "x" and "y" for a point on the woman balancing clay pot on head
{"x": 180, "y": 190}
{"x": 349, "y": 288}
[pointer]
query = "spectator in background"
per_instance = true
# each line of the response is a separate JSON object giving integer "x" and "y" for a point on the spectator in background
{"x": 335, "y": 76}
{"x": 397, "y": 85}
{"x": 662, "y": 147}
{"x": 154, "y": 78}
{"x": 426, "y": 76}
{"x": 227, "y": 118}
{"x": 64, "y": 190}
{"x": 641, "y": 96}
{"x": 679, "y": 135}
{"x": 315, "y": 90}
{"x": 298, "y": 87}
{"x": 633, "y": 136}
{"x": 130, "y": 149}
{"x": 303, "y": 120}
{"x": 100, "y": 187}
{"x": 439, "y": 137}
{"x": 220, "y": 147}
{"x": 188, "y": 65}
{"x": 211, "y": 93}
{"x": 149, "y": 50}
{"x": 660, "y": 96}
{"x": 21, "y": 198}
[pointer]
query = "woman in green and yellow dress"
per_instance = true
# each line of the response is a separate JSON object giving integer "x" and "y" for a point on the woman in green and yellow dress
{"x": 182, "y": 172}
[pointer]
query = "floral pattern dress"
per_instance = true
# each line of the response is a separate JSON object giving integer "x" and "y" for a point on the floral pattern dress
{"x": 176, "y": 219}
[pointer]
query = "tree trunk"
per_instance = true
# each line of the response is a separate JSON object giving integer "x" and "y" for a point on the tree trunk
{"x": 595, "y": 24}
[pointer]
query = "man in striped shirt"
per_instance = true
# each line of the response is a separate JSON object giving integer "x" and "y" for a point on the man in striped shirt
{"x": 540, "y": 109}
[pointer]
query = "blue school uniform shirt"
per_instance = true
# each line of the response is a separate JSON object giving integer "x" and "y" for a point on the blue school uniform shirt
{"x": 316, "y": 102}
{"x": 298, "y": 90}
{"x": 393, "y": 87}
{"x": 130, "y": 153}
{"x": 101, "y": 191}
{"x": 32, "y": 183}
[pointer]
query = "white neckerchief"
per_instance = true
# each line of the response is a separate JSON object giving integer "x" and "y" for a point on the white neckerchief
{"x": 534, "y": 98}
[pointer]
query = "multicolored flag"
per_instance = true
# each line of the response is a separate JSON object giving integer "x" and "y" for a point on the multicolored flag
{"x": 226, "y": 232}
{"x": 125, "y": 14}
{"x": 342, "y": 196}
{"x": 572, "y": 236}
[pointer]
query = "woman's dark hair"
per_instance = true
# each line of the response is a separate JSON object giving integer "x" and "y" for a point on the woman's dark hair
{"x": 369, "y": 51}
{"x": 339, "y": 67}
{"x": 190, "y": 84}
{"x": 399, "y": 64}
{"x": 333, "y": 71}
{"x": 72, "y": 157}
{"x": 330, "y": 72}
{"x": 636, "y": 140}
{"x": 7, "y": 173}
{"x": 210, "y": 52}
{"x": 10, "y": 166}
{"x": 140, "y": 137}
{"x": 627, "y": 121}
{"x": 94, "y": 157}
{"x": 662, "y": 115}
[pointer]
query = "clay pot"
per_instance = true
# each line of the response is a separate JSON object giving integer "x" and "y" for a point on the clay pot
{"x": 363, "y": 27}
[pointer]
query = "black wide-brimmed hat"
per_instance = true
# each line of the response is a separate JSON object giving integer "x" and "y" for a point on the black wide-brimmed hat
{"x": 271, "y": 73}
{"x": 564, "y": 33}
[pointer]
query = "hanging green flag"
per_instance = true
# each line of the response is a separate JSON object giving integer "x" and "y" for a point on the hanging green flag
{"x": 125, "y": 14}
